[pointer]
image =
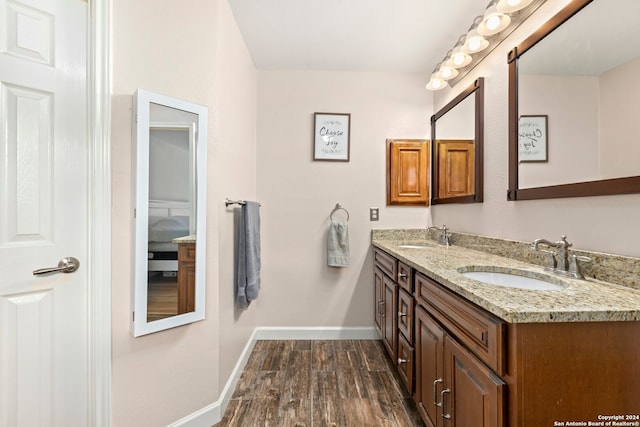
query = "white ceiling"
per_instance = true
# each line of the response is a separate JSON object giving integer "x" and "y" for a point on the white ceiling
{"x": 356, "y": 35}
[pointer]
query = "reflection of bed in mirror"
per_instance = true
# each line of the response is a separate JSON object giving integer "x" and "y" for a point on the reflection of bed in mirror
{"x": 168, "y": 220}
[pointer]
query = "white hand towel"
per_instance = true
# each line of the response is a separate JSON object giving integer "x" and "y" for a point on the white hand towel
{"x": 338, "y": 244}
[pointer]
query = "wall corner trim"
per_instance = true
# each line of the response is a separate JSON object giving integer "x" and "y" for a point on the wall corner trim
{"x": 212, "y": 413}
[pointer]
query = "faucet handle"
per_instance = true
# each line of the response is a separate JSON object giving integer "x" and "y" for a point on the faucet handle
{"x": 551, "y": 261}
{"x": 564, "y": 243}
{"x": 574, "y": 265}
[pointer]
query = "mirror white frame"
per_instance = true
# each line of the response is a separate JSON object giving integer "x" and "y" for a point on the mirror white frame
{"x": 197, "y": 130}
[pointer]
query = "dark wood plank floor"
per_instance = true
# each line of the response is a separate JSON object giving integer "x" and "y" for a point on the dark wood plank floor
{"x": 320, "y": 383}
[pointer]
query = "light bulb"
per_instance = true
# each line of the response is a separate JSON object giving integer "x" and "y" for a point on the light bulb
{"x": 511, "y": 6}
{"x": 493, "y": 22}
{"x": 458, "y": 59}
{"x": 474, "y": 44}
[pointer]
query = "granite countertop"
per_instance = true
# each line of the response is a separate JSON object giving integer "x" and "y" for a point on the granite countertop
{"x": 577, "y": 301}
{"x": 185, "y": 239}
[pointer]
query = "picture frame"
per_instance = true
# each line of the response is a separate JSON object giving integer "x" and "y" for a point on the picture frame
{"x": 533, "y": 138}
{"x": 331, "y": 135}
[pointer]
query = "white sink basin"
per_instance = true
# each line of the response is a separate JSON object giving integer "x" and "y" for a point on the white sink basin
{"x": 512, "y": 280}
{"x": 415, "y": 246}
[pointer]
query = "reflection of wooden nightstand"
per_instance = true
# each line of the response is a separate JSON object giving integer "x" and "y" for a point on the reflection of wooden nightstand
{"x": 186, "y": 275}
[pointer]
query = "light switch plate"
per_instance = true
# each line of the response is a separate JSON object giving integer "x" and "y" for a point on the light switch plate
{"x": 374, "y": 214}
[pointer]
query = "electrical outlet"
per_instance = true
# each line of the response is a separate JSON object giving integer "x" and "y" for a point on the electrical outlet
{"x": 374, "y": 214}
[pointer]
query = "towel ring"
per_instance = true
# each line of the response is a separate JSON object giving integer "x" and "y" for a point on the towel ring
{"x": 339, "y": 208}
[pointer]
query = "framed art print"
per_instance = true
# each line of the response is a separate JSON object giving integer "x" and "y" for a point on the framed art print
{"x": 532, "y": 139}
{"x": 331, "y": 136}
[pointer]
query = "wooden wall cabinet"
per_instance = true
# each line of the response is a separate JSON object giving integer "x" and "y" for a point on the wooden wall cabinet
{"x": 456, "y": 168}
{"x": 408, "y": 172}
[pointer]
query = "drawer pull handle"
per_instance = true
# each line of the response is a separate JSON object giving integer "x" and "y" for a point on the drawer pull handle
{"x": 401, "y": 315}
{"x": 442, "y": 393}
{"x": 435, "y": 392}
{"x": 379, "y": 306}
{"x": 402, "y": 276}
{"x": 401, "y": 361}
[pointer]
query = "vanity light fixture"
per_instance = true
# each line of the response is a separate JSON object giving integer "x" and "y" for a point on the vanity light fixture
{"x": 493, "y": 20}
{"x": 486, "y": 32}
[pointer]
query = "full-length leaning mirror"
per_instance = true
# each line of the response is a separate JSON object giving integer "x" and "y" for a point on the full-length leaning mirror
{"x": 574, "y": 103}
{"x": 170, "y": 212}
{"x": 457, "y": 148}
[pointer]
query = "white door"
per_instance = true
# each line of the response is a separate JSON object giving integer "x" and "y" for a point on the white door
{"x": 43, "y": 212}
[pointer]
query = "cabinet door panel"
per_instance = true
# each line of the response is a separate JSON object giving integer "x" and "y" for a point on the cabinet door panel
{"x": 407, "y": 172}
{"x": 405, "y": 314}
{"x": 429, "y": 338}
{"x": 456, "y": 163}
{"x": 389, "y": 316}
{"x": 405, "y": 362}
{"x": 377, "y": 313}
{"x": 476, "y": 397}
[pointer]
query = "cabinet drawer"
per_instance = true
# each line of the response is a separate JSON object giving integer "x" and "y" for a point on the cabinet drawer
{"x": 405, "y": 314}
{"x": 405, "y": 362}
{"x": 481, "y": 332}
{"x": 386, "y": 263}
{"x": 187, "y": 252}
{"x": 405, "y": 277}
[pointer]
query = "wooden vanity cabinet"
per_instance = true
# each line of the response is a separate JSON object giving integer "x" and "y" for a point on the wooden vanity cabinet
{"x": 454, "y": 386}
{"x": 186, "y": 277}
{"x": 469, "y": 368}
{"x": 385, "y": 272}
{"x": 394, "y": 311}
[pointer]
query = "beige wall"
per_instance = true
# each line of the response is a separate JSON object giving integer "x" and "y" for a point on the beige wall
{"x": 607, "y": 224}
{"x": 298, "y": 193}
{"x": 619, "y": 125}
{"x": 162, "y": 377}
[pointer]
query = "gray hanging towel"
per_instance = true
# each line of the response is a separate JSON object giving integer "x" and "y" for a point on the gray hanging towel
{"x": 248, "y": 255}
{"x": 338, "y": 244}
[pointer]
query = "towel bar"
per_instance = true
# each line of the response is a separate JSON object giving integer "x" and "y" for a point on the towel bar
{"x": 338, "y": 208}
{"x": 229, "y": 202}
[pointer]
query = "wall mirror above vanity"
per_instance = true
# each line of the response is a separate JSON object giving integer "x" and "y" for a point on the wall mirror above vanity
{"x": 457, "y": 134}
{"x": 170, "y": 139}
{"x": 579, "y": 72}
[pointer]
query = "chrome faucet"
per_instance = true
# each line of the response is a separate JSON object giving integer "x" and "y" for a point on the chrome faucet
{"x": 562, "y": 260}
{"x": 563, "y": 264}
{"x": 445, "y": 236}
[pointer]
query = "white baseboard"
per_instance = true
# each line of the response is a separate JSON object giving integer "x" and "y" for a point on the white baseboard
{"x": 212, "y": 414}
